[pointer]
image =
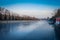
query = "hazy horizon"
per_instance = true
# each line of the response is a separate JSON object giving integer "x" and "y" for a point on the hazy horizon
{"x": 36, "y": 8}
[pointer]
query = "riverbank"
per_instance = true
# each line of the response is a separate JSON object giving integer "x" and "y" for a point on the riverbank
{"x": 15, "y": 21}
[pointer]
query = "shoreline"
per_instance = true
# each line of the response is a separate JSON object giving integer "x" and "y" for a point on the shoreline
{"x": 15, "y": 21}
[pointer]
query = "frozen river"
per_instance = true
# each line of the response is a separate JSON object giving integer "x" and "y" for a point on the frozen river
{"x": 38, "y": 30}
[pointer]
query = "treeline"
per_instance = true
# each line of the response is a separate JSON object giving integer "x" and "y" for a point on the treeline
{"x": 57, "y": 14}
{"x": 7, "y": 15}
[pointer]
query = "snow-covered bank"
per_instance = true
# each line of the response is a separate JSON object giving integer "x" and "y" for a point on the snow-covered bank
{"x": 13, "y": 21}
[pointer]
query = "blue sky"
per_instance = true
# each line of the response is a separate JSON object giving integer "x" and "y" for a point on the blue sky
{"x": 46, "y": 2}
{"x": 38, "y": 8}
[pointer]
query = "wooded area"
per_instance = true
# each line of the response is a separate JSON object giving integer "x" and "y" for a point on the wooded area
{"x": 7, "y": 15}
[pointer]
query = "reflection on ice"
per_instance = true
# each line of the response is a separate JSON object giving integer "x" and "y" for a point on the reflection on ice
{"x": 24, "y": 29}
{"x": 28, "y": 30}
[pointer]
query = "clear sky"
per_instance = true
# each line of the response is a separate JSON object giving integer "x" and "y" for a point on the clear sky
{"x": 37, "y": 8}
